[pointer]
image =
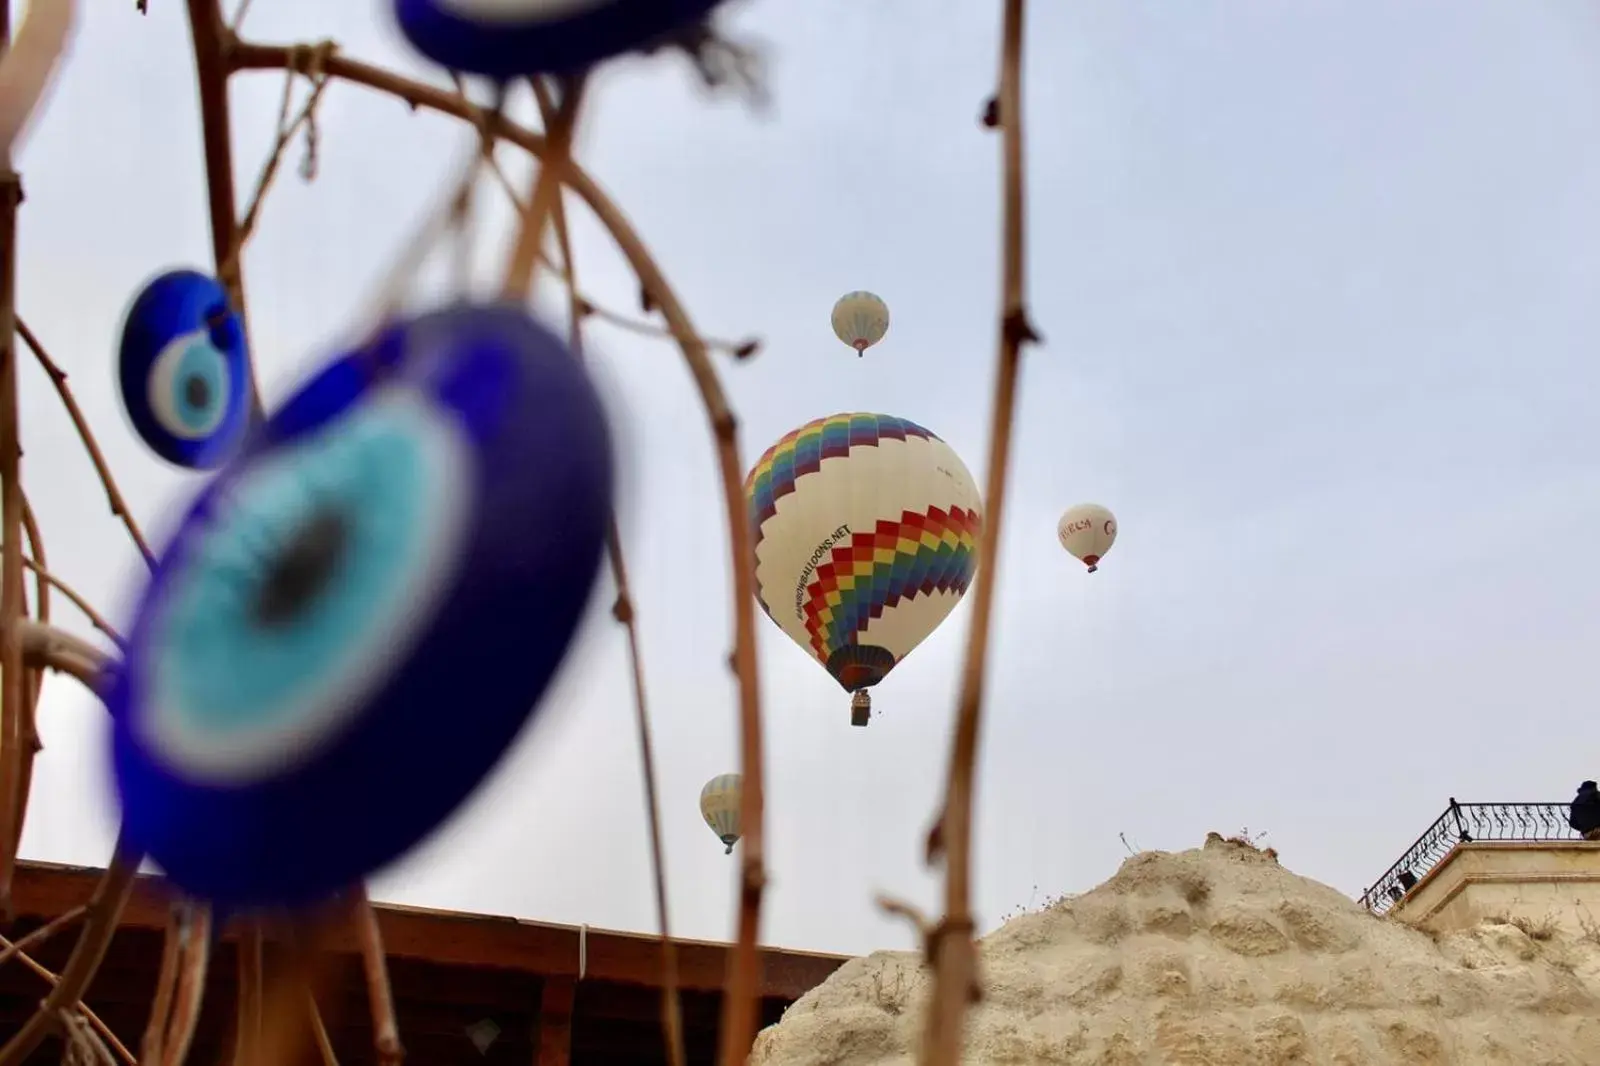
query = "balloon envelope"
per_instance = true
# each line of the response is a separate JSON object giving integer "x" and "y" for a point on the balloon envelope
{"x": 860, "y": 319}
{"x": 866, "y": 529}
{"x": 1087, "y": 531}
{"x": 719, "y": 806}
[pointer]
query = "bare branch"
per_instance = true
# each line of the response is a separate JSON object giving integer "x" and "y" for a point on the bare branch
{"x": 622, "y": 610}
{"x": 953, "y": 950}
{"x": 58, "y": 378}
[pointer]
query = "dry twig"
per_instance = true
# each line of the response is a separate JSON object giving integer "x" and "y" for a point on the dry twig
{"x": 953, "y": 951}
{"x": 521, "y": 272}
{"x": 8, "y": 949}
{"x": 622, "y": 611}
{"x": 166, "y": 985}
{"x": 58, "y": 378}
{"x": 15, "y": 949}
{"x": 49, "y": 580}
{"x": 12, "y": 685}
{"x": 287, "y": 128}
{"x": 214, "y": 44}
{"x": 380, "y": 1000}
{"x": 319, "y": 1031}
{"x": 100, "y": 923}
{"x": 252, "y": 947}
{"x": 32, "y": 679}
{"x": 194, "y": 962}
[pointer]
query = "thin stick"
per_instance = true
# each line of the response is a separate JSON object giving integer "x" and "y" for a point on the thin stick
{"x": 285, "y": 1022}
{"x": 955, "y": 983}
{"x": 35, "y": 554}
{"x": 79, "y": 1008}
{"x": 193, "y": 966}
{"x": 49, "y": 580}
{"x": 58, "y": 378}
{"x": 385, "y": 1030}
{"x": 213, "y": 41}
{"x": 622, "y": 610}
{"x": 28, "y": 64}
{"x": 83, "y": 1044}
{"x": 9, "y": 948}
{"x": 588, "y": 307}
{"x": 738, "y": 349}
{"x": 155, "y": 1029}
{"x": 33, "y": 679}
{"x": 522, "y": 269}
{"x": 41, "y": 586}
{"x": 101, "y": 916}
{"x": 12, "y": 686}
{"x": 320, "y": 1031}
{"x": 287, "y": 128}
{"x": 46, "y": 646}
{"x": 251, "y": 949}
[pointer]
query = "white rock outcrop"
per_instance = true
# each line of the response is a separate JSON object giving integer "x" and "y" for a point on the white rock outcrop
{"x": 1220, "y": 957}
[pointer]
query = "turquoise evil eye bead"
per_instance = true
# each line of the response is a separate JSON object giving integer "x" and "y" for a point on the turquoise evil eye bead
{"x": 183, "y": 370}
{"x": 360, "y": 613}
{"x": 505, "y": 39}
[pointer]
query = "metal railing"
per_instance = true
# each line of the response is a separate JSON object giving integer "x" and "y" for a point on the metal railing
{"x": 1463, "y": 823}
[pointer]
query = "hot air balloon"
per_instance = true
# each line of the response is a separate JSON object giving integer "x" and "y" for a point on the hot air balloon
{"x": 1088, "y": 531}
{"x": 860, "y": 319}
{"x": 719, "y": 805}
{"x": 866, "y": 536}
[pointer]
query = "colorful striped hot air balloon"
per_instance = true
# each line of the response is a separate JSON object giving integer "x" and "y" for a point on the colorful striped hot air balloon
{"x": 719, "y": 806}
{"x": 866, "y": 537}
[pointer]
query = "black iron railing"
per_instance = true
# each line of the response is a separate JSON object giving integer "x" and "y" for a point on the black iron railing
{"x": 1463, "y": 823}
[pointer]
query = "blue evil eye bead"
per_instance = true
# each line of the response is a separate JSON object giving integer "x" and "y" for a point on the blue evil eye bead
{"x": 184, "y": 371}
{"x": 362, "y": 609}
{"x": 505, "y": 39}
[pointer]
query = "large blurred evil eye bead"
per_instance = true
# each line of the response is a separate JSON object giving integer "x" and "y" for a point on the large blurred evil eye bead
{"x": 361, "y": 611}
{"x": 506, "y": 39}
{"x": 183, "y": 370}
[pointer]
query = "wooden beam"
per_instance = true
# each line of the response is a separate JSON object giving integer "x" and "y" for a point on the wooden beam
{"x": 555, "y": 1022}
{"x": 45, "y": 890}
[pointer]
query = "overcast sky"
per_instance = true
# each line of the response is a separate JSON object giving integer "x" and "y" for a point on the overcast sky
{"x": 1318, "y": 286}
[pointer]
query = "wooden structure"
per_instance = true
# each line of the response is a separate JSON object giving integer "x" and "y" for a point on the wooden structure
{"x": 548, "y": 995}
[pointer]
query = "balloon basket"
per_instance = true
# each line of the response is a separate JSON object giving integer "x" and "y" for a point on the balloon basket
{"x": 860, "y": 708}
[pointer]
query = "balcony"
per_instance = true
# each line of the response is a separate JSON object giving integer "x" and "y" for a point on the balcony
{"x": 1484, "y": 860}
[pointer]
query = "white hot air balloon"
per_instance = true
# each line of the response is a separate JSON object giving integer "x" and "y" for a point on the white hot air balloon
{"x": 866, "y": 530}
{"x": 1088, "y": 531}
{"x": 860, "y": 319}
{"x": 719, "y": 805}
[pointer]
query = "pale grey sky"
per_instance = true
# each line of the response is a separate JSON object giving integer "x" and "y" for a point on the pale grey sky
{"x": 1318, "y": 287}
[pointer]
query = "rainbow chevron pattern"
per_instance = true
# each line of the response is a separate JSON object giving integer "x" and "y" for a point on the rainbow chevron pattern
{"x": 801, "y": 451}
{"x": 921, "y": 554}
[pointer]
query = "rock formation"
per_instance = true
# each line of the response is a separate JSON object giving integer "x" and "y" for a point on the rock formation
{"x": 1220, "y": 957}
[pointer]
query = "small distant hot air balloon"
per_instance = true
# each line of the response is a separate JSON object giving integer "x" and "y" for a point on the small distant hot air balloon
{"x": 719, "y": 805}
{"x": 860, "y": 319}
{"x": 1088, "y": 531}
{"x": 866, "y": 530}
